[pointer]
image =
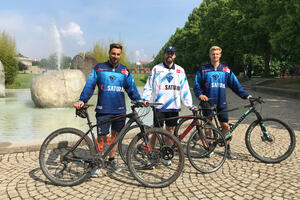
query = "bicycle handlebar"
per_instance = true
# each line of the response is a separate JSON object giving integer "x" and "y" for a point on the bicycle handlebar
{"x": 259, "y": 100}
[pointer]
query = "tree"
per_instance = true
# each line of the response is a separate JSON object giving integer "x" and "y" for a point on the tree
{"x": 8, "y": 57}
{"x": 263, "y": 30}
{"x": 66, "y": 62}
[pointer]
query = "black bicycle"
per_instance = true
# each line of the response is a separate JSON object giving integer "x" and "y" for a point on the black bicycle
{"x": 206, "y": 153}
{"x": 269, "y": 140}
{"x": 68, "y": 155}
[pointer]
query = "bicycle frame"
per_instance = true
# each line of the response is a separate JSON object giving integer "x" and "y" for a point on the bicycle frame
{"x": 133, "y": 117}
{"x": 196, "y": 117}
{"x": 251, "y": 109}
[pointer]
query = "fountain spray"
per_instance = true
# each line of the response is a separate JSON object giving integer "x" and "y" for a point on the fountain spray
{"x": 58, "y": 45}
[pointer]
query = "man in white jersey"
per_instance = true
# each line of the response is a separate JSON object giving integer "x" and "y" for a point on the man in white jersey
{"x": 168, "y": 82}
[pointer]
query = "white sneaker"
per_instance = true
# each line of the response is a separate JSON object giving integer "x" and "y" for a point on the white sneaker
{"x": 166, "y": 162}
{"x": 95, "y": 172}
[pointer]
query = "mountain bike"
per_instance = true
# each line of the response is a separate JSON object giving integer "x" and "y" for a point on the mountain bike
{"x": 68, "y": 155}
{"x": 269, "y": 140}
{"x": 206, "y": 154}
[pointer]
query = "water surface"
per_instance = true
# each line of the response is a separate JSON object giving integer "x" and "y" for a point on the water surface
{"x": 20, "y": 120}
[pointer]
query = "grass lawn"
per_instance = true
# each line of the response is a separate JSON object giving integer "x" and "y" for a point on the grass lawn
{"x": 289, "y": 83}
{"x": 140, "y": 79}
{"x": 22, "y": 81}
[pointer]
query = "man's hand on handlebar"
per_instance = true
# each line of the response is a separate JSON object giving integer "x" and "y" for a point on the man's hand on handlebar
{"x": 193, "y": 108}
{"x": 146, "y": 102}
{"x": 78, "y": 104}
{"x": 203, "y": 98}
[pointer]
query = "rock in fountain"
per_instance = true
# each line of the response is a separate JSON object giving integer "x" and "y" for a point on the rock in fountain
{"x": 84, "y": 62}
{"x": 2, "y": 81}
{"x": 59, "y": 89}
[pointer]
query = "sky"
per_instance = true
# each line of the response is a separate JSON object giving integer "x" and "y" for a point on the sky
{"x": 43, "y": 27}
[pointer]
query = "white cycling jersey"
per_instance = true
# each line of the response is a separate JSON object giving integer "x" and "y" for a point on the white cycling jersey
{"x": 168, "y": 86}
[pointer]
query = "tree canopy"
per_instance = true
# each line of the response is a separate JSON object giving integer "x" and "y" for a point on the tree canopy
{"x": 264, "y": 32}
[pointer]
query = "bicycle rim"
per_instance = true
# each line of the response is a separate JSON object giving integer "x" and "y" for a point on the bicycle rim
{"x": 273, "y": 147}
{"x": 65, "y": 171}
{"x": 158, "y": 166}
{"x": 203, "y": 158}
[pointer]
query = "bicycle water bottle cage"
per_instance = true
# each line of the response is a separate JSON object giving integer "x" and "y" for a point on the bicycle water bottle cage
{"x": 81, "y": 112}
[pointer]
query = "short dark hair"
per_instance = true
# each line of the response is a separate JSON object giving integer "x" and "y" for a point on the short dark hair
{"x": 115, "y": 45}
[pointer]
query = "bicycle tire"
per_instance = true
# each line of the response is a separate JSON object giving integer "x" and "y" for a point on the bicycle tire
{"x": 282, "y": 136}
{"x": 51, "y": 160}
{"x": 124, "y": 141}
{"x": 159, "y": 165}
{"x": 207, "y": 159}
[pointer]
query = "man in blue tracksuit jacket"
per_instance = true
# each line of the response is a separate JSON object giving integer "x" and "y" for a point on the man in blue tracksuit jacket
{"x": 211, "y": 82}
{"x": 111, "y": 78}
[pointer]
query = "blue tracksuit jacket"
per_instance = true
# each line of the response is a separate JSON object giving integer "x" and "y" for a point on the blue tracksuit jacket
{"x": 111, "y": 83}
{"x": 213, "y": 82}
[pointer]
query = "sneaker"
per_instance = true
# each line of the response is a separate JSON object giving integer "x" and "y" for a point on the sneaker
{"x": 166, "y": 162}
{"x": 95, "y": 172}
{"x": 230, "y": 155}
{"x": 114, "y": 166}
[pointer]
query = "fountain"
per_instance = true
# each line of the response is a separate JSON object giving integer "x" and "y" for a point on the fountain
{"x": 58, "y": 45}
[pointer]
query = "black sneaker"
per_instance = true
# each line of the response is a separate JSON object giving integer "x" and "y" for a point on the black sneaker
{"x": 114, "y": 166}
{"x": 230, "y": 155}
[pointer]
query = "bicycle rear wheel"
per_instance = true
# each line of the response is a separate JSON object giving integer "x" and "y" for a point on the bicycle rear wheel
{"x": 207, "y": 158}
{"x": 62, "y": 169}
{"x": 158, "y": 164}
{"x": 272, "y": 145}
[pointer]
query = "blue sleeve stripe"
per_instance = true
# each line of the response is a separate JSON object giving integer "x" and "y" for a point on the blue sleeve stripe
{"x": 146, "y": 97}
{"x": 182, "y": 84}
{"x": 185, "y": 94}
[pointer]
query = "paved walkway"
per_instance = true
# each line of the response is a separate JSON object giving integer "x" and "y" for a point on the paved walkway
{"x": 242, "y": 178}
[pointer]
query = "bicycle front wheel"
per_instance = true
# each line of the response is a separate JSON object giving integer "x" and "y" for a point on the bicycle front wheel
{"x": 207, "y": 153}
{"x": 270, "y": 140}
{"x": 61, "y": 166}
{"x": 158, "y": 161}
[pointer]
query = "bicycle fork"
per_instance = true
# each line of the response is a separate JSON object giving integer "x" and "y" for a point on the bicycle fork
{"x": 265, "y": 136}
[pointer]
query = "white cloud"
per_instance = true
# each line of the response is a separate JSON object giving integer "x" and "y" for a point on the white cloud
{"x": 73, "y": 30}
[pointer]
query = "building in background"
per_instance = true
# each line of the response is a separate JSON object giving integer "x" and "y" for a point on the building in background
{"x": 29, "y": 68}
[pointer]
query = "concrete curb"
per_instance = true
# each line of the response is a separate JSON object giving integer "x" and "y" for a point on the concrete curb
{"x": 278, "y": 92}
{"x": 20, "y": 147}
